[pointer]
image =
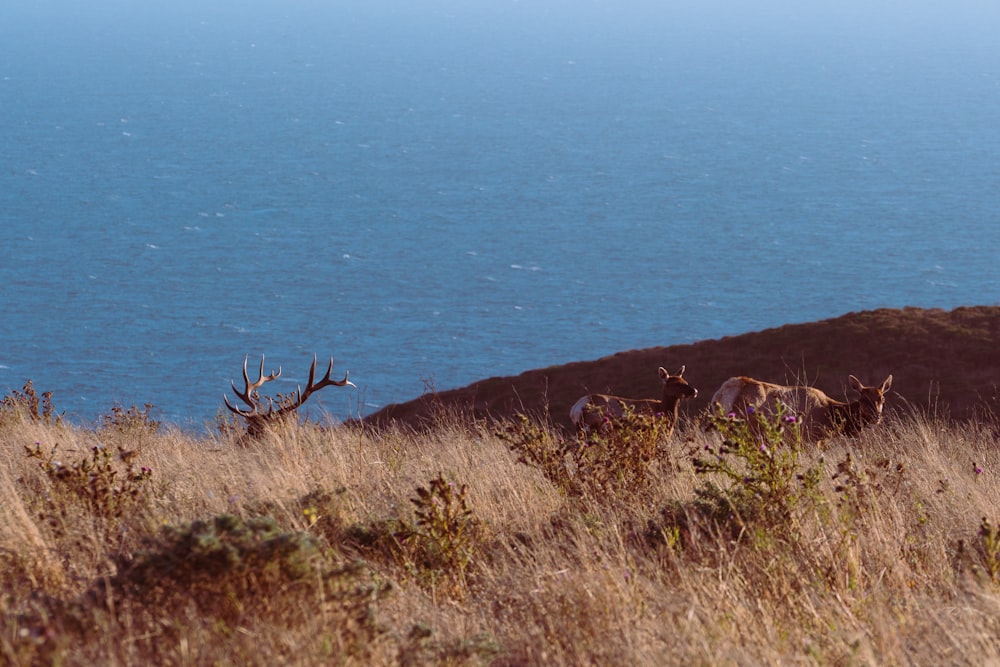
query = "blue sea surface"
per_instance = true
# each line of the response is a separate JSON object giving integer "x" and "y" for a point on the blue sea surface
{"x": 438, "y": 192}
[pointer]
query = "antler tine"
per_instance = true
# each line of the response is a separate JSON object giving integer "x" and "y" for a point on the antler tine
{"x": 242, "y": 413}
{"x": 326, "y": 381}
{"x": 256, "y": 385}
{"x": 312, "y": 385}
{"x": 248, "y": 394}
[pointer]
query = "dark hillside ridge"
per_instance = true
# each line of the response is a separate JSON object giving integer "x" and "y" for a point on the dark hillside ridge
{"x": 948, "y": 361}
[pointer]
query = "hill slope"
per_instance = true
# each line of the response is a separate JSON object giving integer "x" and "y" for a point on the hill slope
{"x": 944, "y": 359}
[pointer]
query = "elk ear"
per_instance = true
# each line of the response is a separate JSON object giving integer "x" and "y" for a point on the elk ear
{"x": 663, "y": 373}
{"x": 855, "y": 383}
{"x": 681, "y": 371}
{"x": 887, "y": 384}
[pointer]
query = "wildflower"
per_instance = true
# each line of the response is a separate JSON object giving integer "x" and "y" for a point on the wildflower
{"x": 731, "y": 415}
{"x": 979, "y": 470}
{"x": 750, "y": 410}
{"x": 789, "y": 419}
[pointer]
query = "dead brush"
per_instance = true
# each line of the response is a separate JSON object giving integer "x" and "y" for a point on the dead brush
{"x": 130, "y": 421}
{"x": 107, "y": 485}
{"x": 608, "y": 463}
{"x": 27, "y": 404}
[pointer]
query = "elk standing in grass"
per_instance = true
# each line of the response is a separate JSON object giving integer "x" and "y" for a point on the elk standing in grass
{"x": 598, "y": 410}
{"x": 819, "y": 415}
{"x": 258, "y": 420}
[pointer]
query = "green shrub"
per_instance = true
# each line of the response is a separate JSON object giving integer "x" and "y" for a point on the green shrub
{"x": 445, "y": 525}
{"x": 439, "y": 547}
{"x": 225, "y": 573}
{"x": 755, "y": 476}
{"x": 225, "y": 551}
{"x": 989, "y": 548}
{"x": 541, "y": 448}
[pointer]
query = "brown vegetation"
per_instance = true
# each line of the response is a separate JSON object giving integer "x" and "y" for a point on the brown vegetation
{"x": 946, "y": 361}
{"x": 510, "y": 542}
{"x": 463, "y": 546}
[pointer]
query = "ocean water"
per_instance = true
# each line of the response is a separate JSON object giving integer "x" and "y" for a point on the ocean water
{"x": 438, "y": 192}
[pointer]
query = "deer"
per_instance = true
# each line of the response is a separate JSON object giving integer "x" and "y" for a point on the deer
{"x": 257, "y": 419}
{"x": 599, "y": 410}
{"x": 818, "y": 415}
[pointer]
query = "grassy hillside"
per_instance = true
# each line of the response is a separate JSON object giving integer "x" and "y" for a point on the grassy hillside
{"x": 133, "y": 544}
{"x": 946, "y": 360}
{"x": 512, "y": 542}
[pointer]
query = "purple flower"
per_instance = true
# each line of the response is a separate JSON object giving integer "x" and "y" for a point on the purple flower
{"x": 750, "y": 410}
{"x": 979, "y": 470}
{"x": 789, "y": 419}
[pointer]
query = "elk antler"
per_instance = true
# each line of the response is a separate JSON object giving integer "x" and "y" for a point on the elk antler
{"x": 258, "y": 420}
{"x": 312, "y": 385}
{"x": 250, "y": 395}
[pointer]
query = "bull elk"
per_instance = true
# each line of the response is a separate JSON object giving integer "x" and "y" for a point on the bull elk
{"x": 279, "y": 408}
{"x": 820, "y": 416}
{"x": 598, "y": 410}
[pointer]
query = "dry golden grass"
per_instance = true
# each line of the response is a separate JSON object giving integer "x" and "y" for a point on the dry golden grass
{"x": 887, "y": 563}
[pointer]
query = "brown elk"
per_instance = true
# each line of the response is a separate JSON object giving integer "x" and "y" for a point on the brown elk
{"x": 599, "y": 410}
{"x": 256, "y": 417}
{"x": 819, "y": 415}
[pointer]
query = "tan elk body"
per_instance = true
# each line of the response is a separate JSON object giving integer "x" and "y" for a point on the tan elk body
{"x": 599, "y": 410}
{"x": 819, "y": 415}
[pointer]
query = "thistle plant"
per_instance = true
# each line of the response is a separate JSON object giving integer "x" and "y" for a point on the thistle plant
{"x": 989, "y": 543}
{"x": 108, "y": 485}
{"x": 617, "y": 460}
{"x": 27, "y": 404}
{"x": 613, "y": 462}
{"x": 445, "y": 525}
{"x": 130, "y": 421}
{"x": 756, "y": 473}
{"x": 538, "y": 447}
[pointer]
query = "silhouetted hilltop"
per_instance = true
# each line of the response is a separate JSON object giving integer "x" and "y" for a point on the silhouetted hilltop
{"x": 948, "y": 360}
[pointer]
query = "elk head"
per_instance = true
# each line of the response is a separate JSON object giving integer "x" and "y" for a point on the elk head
{"x": 257, "y": 418}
